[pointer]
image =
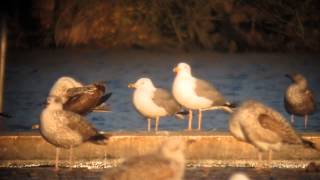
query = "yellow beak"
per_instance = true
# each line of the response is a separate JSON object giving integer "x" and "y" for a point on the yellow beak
{"x": 131, "y": 85}
{"x": 176, "y": 69}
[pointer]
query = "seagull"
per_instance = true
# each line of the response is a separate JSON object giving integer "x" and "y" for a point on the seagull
{"x": 264, "y": 128}
{"x": 152, "y": 102}
{"x": 239, "y": 176}
{"x": 79, "y": 98}
{"x": 196, "y": 94}
{"x": 66, "y": 129}
{"x": 166, "y": 163}
{"x": 299, "y": 99}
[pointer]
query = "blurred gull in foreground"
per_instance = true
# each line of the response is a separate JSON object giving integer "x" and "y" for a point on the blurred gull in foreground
{"x": 167, "y": 163}
{"x": 264, "y": 128}
{"x": 194, "y": 93}
{"x": 66, "y": 129}
{"x": 299, "y": 99}
{"x": 79, "y": 98}
{"x": 152, "y": 102}
{"x": 239, "y": 176}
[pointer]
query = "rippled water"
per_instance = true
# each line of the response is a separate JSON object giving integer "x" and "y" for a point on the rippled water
{"x": 190, "y": 173}
{"x": 30, "y": 74}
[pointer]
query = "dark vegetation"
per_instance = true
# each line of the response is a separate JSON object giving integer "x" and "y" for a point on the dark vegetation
{"x": 223, "y": 25}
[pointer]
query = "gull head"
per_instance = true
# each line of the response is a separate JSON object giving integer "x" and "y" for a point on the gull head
{"x": 54, "y": 102}
{"x": 62, "y": 85}
{"x": 182, "y": 67}
{"x": 297, "y": 78}
{"x": 173, "y": 148}
{"x": 142, "y": 83}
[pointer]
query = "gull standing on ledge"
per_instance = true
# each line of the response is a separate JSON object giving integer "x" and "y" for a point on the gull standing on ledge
{"x": 66, "y": 129}
{"x": 196, "y": 94}
{"x": 264, "y": 128}
{"x": 152, "y": 102}
{"x": 299, "y": 99}
{"x": 79, "y": 98}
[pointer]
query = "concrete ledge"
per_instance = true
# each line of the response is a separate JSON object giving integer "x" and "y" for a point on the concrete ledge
{"x": 208, "y": 148}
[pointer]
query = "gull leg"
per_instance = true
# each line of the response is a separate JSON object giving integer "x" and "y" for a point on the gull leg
{"x": 57, "y": 158}
{"x": 259, "y": 164}
{"x": 305, "y": 120}
{"x": 199, "y": 119}
{"x": 157, "y": 123}
{"x": 270, "y": 155}
{"x": 292, "y": 118}
{"x": 149, "y": 124}
{"x": 259, "y": 156}
{"x": 105, "y": 159}
{"x": 190, "y": 120}
{"x": 70, "y": 157}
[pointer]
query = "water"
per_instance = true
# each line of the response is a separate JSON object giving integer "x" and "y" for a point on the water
{"x": 30, "y": 75}
{"x": 190, "y": 173}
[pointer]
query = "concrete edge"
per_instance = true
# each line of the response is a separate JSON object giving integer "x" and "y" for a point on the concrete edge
{"x": 211, "y": 149}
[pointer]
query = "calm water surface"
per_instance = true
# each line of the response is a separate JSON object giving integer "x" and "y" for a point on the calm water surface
{"x": 30, "y": 75}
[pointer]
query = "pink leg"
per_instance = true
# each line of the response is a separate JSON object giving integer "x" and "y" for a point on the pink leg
{"x": 190, "y": 121}
{"x": 259, "y": 156}
{"x": 292, "y": 118}
{"x": 199, "y": 119}
{"x": 270, "y": 155}
{"x": 157, "y": 123}
{"x": 305, "y": 120}
{"x": 259, "y": 164}
{"x": 57, "y": 158}
{"x": 149, "y": 124}
{"x": 70, "y": 157}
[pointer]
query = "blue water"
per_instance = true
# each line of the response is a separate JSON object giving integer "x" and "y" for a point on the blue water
{"x": 30, "y": 75}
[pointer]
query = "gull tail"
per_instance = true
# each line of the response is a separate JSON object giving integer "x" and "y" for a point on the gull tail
{"x": 181, "y": 114}
{"x": 104, "y": 98}
{"x": 231, "y": 105}
{"x": 102, "y": 108}
{"x": 99, "y": 139}
{"x": 309, "y": 144}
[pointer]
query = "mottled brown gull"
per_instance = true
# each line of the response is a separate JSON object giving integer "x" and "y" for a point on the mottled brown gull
{"x": 196, "y": 94}
{"x": 167, "y": 163}
{"x": 264, "y": 128}
{"x": 152, "y": 102}
{"x": 79, "y": 98}
{"x": 299, "y": 99}
{"x": 65, "y": 129}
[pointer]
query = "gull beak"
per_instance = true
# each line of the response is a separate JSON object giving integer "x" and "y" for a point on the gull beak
{"x": 131, "y": 86}
{"x": 35, "y": 126}
{"x": 176, "y": 69}
{"x": 290, "y": 77}
{"x": 43, "y": 104}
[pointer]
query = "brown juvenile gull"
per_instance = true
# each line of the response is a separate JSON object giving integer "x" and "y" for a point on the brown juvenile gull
{"x": 299, "y": 99}
{"x": 65, "y": 129}
{"x": 264, "y": 128}
{"x": 167, "y": 163}
{"x": 79, "y": 98}
{"x": 152, "y": 102}
{"x": 196, "y": 94}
